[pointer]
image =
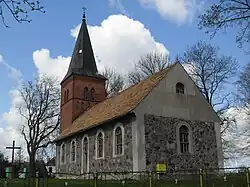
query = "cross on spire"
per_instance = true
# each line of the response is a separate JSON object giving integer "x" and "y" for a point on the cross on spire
{"x": 84, "y": 13}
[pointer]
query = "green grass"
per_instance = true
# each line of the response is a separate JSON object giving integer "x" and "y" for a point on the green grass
{"x": 236, "y": 181}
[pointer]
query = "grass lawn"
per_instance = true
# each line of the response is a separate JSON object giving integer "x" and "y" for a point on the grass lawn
{"x": 233, "y": 181}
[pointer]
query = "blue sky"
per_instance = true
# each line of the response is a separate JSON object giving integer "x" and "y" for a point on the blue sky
{"x": 52, "y": 31}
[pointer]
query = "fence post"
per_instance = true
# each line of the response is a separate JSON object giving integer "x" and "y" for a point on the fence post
{"x": 247, "y": 176}
{"x": 201, "y": 178}
{"x": 36, "y": 179}
{"x": 95, "y": 179}
{"x": 150, "y": 179}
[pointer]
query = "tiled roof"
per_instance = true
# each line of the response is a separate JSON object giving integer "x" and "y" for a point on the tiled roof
{"x": 115, "y": 106}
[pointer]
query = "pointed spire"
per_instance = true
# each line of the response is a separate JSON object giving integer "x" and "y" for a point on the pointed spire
{"x": 83, "y": 60}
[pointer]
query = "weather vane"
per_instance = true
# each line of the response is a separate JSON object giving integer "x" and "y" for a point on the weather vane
{"x": 84, "y": 10}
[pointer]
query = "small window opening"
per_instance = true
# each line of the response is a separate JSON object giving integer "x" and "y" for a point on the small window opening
{"x": 179, "y": 88}
{"x": 92, "y": 94}
{"x": 86, "y": 93}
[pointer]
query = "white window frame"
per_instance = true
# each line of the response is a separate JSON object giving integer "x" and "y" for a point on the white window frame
{"x": 73, "y": 140}
{"x": 82, "y": 161}
{"x": 96, "y": 143}
{"x": 190, "y": 151}
{"x": 62, "y": 154}
{"x": 114, "y": 142}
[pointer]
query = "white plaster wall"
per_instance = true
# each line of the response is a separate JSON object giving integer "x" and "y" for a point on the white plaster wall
{"x": 219, "y": 144}
{"x": 163, "y": 101}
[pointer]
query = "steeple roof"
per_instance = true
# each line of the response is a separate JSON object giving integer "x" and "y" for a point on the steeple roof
{"x": 83, "y": 60}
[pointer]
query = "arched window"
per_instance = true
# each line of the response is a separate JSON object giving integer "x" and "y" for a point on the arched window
{"x": 85, "y": 156}
{"x": 63, "y": 151}
{"x": 118, "y": 143}
{"x": 179, "y": 88}
{"x": 184, "y": 140}
{"x": 86, "y": 93}
{"x": 92, "y": 94}
{"x": 73, "y": 151}
{"x": 67, "y": 94}
{"x": 100, "y": 145}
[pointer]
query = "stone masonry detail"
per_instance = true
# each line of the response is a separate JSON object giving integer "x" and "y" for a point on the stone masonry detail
{"x": 161, "y": 144}
{"x": 109, "y": 163}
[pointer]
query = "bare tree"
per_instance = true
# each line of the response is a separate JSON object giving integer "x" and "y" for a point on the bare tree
{"x": 40, "y": 113}
{"x": 46, "y": 152}
{"x": 19, "y": 9}
{"x": 20, "y": 156}
{"x": 243, "y": 85}
{"x": 243, "y": 96}
{"x": 211, "y": 73}
{"x": 225, "y": 14}
{"x": 3, "y": 158}
{"x": 148, "y": 65}
{"x": 115, "y": 82}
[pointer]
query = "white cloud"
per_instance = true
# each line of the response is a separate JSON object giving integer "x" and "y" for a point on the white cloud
{"x": 117, "y": 43}
{"x": 120, "y": 41}
{"x": 118, "y": 4}
{"x": 44, "y": 63}
{"x": 12, "y": 72}
{"x": 239, "y": 136}
{"x": 9, "y": 121}
{"x": 178, "y": 11}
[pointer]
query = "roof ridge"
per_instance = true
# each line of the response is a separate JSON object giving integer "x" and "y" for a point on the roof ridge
{"x": 148, "y": 77}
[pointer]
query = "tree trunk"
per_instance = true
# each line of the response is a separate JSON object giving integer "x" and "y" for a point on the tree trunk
{"x": 32, "y": 165}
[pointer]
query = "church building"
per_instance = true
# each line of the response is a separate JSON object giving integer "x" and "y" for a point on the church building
{"x": 162, "y": 119}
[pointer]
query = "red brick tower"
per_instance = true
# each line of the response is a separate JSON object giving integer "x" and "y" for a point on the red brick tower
{"x": 82, "y": 86}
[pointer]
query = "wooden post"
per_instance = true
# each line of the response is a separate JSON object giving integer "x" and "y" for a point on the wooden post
{"x": 95, "y": 179}
{"x": 201, "y": 178}
{"x": 150, "y": 179}
{"x": 247, "y": 176}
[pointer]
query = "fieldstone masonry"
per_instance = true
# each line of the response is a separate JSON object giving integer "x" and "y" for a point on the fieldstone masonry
{"x": 161, "y": 144}
{"x": 109, "y": 163}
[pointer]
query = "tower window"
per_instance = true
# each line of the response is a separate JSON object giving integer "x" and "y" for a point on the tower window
{"x": 86, "y": 93}
{"x": 92, "y": 94}
{"x": 66, "y": 95}
{"x": 179, "y": 88}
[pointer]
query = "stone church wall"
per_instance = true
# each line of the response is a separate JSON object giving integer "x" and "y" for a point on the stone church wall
{"x": 161, "y": 144}
{"x": 109, "y": 163}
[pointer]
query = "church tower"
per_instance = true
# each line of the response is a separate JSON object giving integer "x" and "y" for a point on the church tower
{"x": 82, "y": 86}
